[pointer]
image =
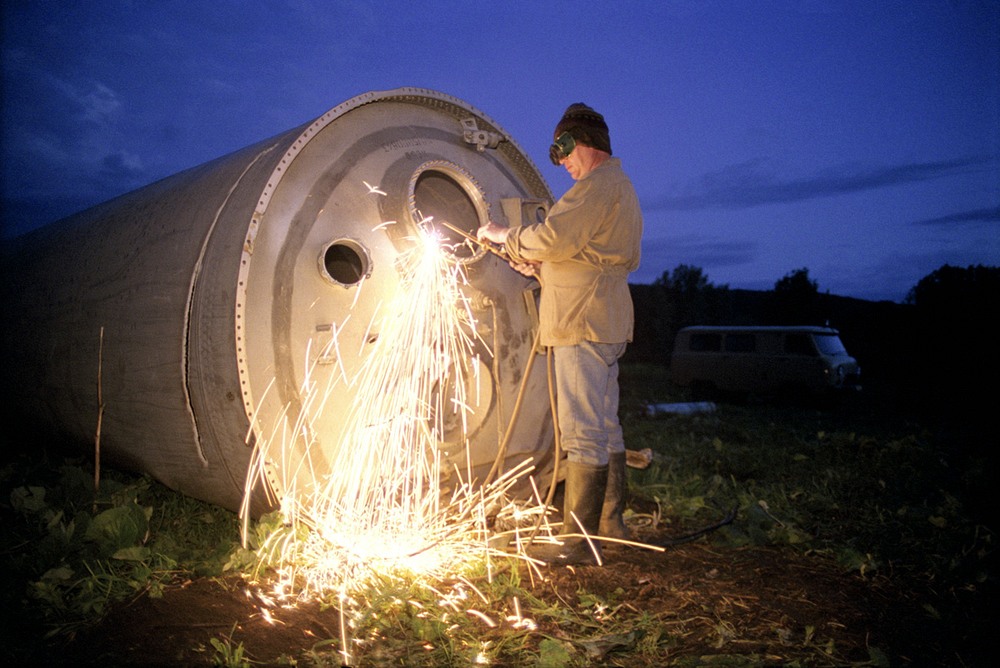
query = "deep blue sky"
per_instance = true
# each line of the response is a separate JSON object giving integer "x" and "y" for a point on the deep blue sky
{"x": 860, "y": 140}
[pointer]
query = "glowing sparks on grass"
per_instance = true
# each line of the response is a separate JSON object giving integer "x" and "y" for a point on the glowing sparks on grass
{"x": 378, "y": 509}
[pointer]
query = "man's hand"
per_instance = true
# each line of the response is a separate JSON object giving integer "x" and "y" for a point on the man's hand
{"x": 527, "y": 268}
{"x": 493, "y": 233}
{"x": 497, "y": 234}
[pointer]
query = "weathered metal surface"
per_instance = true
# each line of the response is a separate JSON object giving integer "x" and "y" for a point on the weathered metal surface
{"x": 217, "y": 288}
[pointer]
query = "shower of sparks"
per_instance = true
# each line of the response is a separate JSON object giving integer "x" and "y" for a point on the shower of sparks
{"x": 379, "y": 510}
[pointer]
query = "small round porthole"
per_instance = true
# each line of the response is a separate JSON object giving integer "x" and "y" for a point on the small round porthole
{"x": 345, "y": 262}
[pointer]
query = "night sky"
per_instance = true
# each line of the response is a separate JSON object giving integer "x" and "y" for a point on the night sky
{"x": 860, "y": 140}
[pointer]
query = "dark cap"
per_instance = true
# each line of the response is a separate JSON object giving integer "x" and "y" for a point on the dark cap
{"x": 586, "y": 125}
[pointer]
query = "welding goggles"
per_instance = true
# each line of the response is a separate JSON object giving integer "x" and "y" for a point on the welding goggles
{"x": 561, "y": 148}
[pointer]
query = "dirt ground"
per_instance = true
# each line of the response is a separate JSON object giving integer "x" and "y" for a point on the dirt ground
{"x": 716, "y": 606}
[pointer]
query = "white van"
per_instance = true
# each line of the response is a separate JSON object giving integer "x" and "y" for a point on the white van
{"x": 762, "y": 360}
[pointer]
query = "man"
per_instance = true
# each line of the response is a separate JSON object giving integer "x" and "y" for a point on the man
{"x": 582, "y": 254}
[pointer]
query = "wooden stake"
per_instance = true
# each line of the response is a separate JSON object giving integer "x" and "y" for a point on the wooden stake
{"x": 100, "y": 418}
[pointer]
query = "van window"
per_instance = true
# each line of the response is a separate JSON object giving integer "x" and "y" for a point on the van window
{"x": 799, "y": 344}
{"x": 741, "y": 343}
{"x": 706, "y": 343}
{"x": 830, "y": 344}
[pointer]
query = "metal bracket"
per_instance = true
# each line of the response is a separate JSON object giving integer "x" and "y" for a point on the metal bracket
{"x": 481, "y": 138}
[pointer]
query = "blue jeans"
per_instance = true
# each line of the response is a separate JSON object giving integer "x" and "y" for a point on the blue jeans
{"x": 587, "y": 401}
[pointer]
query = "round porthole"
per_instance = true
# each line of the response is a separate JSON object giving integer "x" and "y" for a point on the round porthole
{"x": 444, "y": 198}
{"x": 345, "y": 262}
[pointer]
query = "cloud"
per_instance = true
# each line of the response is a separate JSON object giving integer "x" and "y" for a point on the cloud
{"x": 121, "y": 168}
{"x": 97, "y": 102}
{"x": 747, "y": 184}
{"x": 987, "y": 215}
{"x": 68, "y": 144}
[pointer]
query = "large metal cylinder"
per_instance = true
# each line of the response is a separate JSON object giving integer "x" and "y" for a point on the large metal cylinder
{"x": 192, "y": 309}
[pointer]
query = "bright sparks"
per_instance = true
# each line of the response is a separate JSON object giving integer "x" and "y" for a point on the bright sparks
{"x": 379, "y": 510}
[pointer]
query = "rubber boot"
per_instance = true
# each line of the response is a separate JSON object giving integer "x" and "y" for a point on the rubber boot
{"x": 612, "y": 522}
{"x": 584, "y": 497}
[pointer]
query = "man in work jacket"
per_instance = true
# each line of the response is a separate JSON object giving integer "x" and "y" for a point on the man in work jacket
{"x": 582, "y": 255}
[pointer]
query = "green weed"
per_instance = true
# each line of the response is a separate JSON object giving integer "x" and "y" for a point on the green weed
{"x": 83, "y": 552}
{"x": 227, "y": 654}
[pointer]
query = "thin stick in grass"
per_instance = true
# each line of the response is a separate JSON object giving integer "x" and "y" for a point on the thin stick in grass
{"x": 100, "y": 419}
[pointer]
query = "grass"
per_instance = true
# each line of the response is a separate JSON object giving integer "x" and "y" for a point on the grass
{"x": 80, "y": 554}
{"x": 875, "y": 489}
{"x": 881, "y": 494}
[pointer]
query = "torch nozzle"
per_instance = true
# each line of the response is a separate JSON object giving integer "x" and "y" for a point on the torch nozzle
{"x": 493, "y": 248}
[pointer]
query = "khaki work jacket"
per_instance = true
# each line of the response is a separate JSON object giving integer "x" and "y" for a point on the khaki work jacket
{"x": 587, "y": 246}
